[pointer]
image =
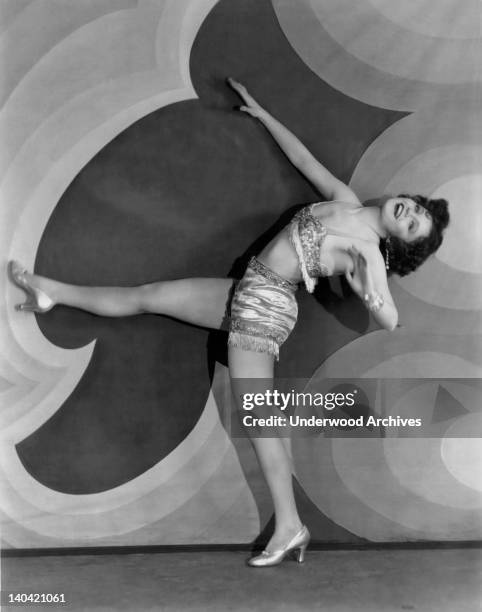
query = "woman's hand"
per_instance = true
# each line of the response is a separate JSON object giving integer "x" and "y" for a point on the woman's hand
{"x": 368, "y": 279}
{"x": 251, "y": 107}
{"x": 359, "y": 278}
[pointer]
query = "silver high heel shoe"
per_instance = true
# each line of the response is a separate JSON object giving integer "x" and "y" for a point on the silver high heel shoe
{"x": 297, "y": 545}
{"x": 37, "y": 300}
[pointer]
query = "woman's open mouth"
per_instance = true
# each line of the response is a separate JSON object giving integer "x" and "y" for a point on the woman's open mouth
{"x": 398, "y": 210}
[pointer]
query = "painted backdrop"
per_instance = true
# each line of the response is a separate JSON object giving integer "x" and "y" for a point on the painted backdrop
{"x": 123, "y": 161}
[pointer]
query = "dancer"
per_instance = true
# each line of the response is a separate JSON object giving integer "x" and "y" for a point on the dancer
{"x": 338, "y": 236}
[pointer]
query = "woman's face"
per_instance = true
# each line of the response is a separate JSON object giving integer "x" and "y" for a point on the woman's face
{"x": 405, "y": 219}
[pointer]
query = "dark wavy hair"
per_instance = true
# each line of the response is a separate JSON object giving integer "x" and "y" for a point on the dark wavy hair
{"x": 405, "y": 257}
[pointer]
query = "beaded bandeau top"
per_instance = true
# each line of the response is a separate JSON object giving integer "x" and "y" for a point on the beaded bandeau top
{"x": 307, "y": 234}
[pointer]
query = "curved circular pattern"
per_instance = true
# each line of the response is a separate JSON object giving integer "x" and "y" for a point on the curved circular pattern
{"x": 436, "y": 403}
{"x": 315, "y": 464}
{"x": 388, "y": 489}
{"x": 424, "y": 364}
{"x": 355, "y": 462}
{"x": 465, "y": 195}
{"x": 420, "y": 475}
{"x": 355, "y": 25}
{"x": 435, "y": 482}
{"x": 442, "y": 19}
{"x": 388, "y": 355}
{"x": 357, "y": 48}
{"x": 462, "y": 193}
{"x": 71, "y": 119}
{"x": 422, "y": 150}
{"x": 436, "y": 152}
{"x": 365, "y": 497}
{"x": 464, "y": 461}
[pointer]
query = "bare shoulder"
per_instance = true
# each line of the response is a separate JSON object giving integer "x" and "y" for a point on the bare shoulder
{"x": 339, "y": 205}
{"x": 345, "y": 194}
{"x": 347, "y": 204}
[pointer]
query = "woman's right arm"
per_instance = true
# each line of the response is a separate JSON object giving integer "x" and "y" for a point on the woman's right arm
{"x": 368, "y": 279}
{"x": 326, "y": 183}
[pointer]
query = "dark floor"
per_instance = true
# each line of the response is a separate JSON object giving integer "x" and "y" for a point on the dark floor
{"x": 372, "y": 581}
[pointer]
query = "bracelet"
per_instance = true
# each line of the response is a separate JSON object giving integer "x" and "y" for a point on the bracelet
{"x": 373, "y": 301}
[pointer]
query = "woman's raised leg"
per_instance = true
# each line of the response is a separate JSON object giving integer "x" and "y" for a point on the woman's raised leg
{"x": 247, "y": 368}
{"x": 200, "y": 301}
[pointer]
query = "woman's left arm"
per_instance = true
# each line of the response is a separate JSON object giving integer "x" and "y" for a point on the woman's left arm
{"x": 301, "y": 158}
{"x": 368, "y": 280}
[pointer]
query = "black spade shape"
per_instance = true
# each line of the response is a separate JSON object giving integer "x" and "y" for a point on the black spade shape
{"x": 183, "y": 192}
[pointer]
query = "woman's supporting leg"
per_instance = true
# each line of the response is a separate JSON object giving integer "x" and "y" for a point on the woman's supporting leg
{"x": 200, "y": 301}
{"x": 246, "y": 367}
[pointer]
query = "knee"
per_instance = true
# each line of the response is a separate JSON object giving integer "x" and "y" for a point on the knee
{"x": 149, "y": 297}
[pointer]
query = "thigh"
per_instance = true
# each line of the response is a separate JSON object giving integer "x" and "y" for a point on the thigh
{"x": 250, "y": 364}
{"x": 200, "y": 301}
{"x": 250, "y": 373}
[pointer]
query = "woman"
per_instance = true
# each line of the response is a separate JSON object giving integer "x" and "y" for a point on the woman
{"x": 336, "y": 237}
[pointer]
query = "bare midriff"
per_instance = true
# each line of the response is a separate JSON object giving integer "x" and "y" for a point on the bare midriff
{"x": 280, "y": 256}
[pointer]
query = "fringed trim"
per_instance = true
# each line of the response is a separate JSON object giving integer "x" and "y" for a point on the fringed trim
{"x": 310, "y": 282}
{"x": 254, "y": 343}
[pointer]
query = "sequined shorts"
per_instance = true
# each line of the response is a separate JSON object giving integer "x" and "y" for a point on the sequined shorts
{"x": 263, "y": 310}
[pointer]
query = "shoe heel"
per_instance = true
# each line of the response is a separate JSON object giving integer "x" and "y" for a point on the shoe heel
{"x": 300, "y": 554}
{"x": 37, "y": 300}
